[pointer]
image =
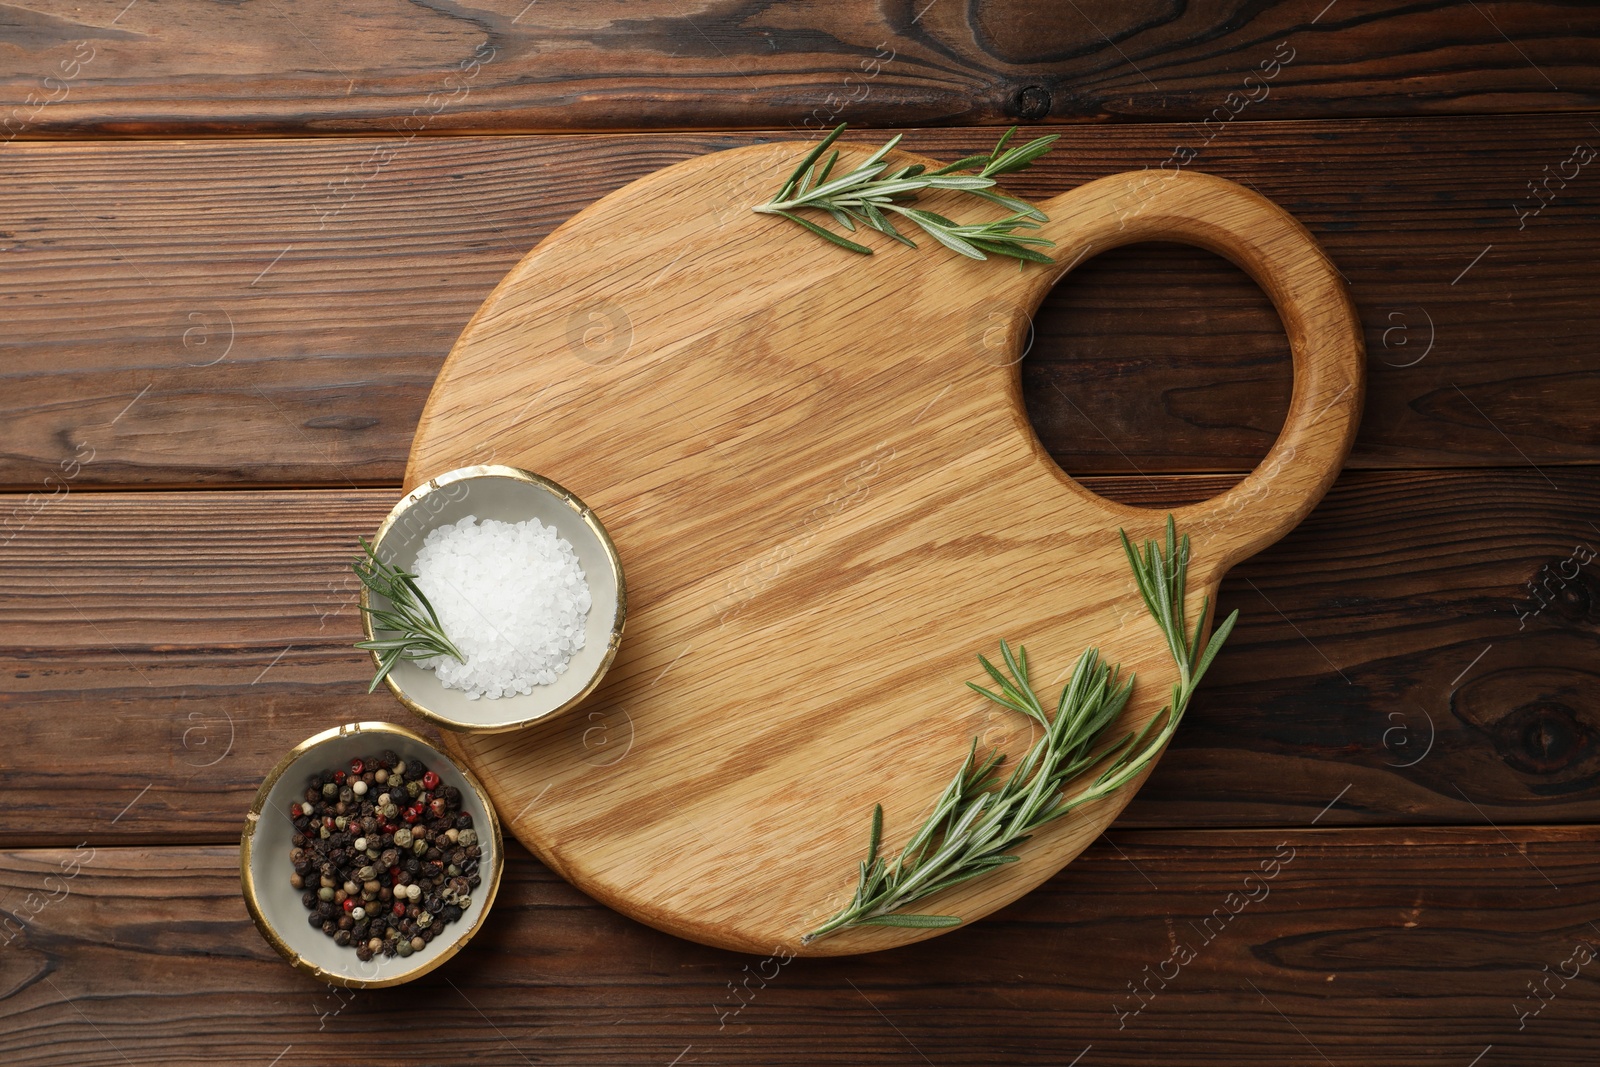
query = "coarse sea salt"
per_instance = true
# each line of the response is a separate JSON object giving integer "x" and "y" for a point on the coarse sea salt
{"x": 513, "y": 598}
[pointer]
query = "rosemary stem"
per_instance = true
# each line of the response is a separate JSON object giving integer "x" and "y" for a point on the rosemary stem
{"x": 978, "y": 820}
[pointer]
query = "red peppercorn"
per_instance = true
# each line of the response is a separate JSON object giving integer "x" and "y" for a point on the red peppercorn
{"x": 394, "y": 873}
{"x": 295, "y": 811}
{"x": 357, "y": 766}
{"x": 399, "y": 909}
{"x": 349, "y": 903}
{"x": 430, "y": 780}
{"x": 439, "y": 805}
{"x": 338, "y": 778}
{"x": 413, "y": 813}
{"x": 327, "y": 820}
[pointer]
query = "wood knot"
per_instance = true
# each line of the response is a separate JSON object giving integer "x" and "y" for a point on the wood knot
{"x": 1032, "y": 103}
{"x": 1541, "y": 721}
{"x": 1561, "y": 589}
{"x": 1542, "y": 737}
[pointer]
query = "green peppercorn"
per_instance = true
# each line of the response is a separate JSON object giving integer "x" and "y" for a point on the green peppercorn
{"x": 348, "y": 858}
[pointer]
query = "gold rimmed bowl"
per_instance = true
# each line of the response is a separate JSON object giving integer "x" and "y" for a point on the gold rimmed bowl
{"x": 264, "y": 866}
{"x": 507, "y": 494}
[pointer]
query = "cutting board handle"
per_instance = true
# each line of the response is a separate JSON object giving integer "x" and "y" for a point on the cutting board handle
{"x": 1325, "y": 339}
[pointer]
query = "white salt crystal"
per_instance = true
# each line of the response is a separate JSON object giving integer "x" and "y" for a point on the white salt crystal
{"x": 513, "y": 598}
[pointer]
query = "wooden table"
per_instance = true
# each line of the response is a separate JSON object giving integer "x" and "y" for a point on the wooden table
{"x": 237, "y": 240}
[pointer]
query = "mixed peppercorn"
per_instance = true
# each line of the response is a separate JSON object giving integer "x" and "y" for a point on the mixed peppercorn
{"x": 385, "y": 855}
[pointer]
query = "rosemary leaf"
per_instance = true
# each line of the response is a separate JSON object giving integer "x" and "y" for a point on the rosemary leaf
{"x": 409, "y": 618}
{"x": 829, "y": 234}
{"x": 979, "y": 820}
{"x": 867, "y": 192}
{"x": 912, "y": 920}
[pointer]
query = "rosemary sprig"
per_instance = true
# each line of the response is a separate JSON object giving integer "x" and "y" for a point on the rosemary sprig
{"x": 867, "y": 195}
{"x": 418, "y": 634}
{"x": 980, "y": 818}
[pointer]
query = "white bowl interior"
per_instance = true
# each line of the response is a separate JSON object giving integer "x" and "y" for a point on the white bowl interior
{"x": 508, "y": 499}
{"x": 279, "y": 902}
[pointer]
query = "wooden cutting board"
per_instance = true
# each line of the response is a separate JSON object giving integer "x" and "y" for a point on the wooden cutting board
{"x": 828, "y": 501}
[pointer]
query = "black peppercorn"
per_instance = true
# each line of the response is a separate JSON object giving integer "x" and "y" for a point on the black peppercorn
{"x": 364, "y": 886}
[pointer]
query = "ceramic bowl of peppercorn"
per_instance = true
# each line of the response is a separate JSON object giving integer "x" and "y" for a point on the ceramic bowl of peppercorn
{"x": 369, "y": 857}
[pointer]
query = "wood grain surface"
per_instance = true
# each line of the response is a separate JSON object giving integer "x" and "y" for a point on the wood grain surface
{"x": 1395, "y": 643}
{"x": 1429, "y": 938}
{"x": 184, "y": 67}
{"x": 839, "y": 525}
{"x": 264, "y": 347}
{"x": 226, "y": 314}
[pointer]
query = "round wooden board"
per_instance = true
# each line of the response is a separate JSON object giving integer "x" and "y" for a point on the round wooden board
{"x": 828, "y": 501}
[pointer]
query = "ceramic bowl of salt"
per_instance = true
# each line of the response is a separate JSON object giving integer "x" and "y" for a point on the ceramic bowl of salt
{"x": 525, "y": 583}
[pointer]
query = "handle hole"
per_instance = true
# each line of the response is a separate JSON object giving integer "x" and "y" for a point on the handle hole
{"x": 1159, "y": 375}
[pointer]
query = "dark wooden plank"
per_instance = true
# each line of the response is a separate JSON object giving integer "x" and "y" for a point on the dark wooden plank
{"x": 1379, "y": 947}
{"x": 266, "y": 312}
{"x": 190, "y": 67}
{"x": 170, "y": 647}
